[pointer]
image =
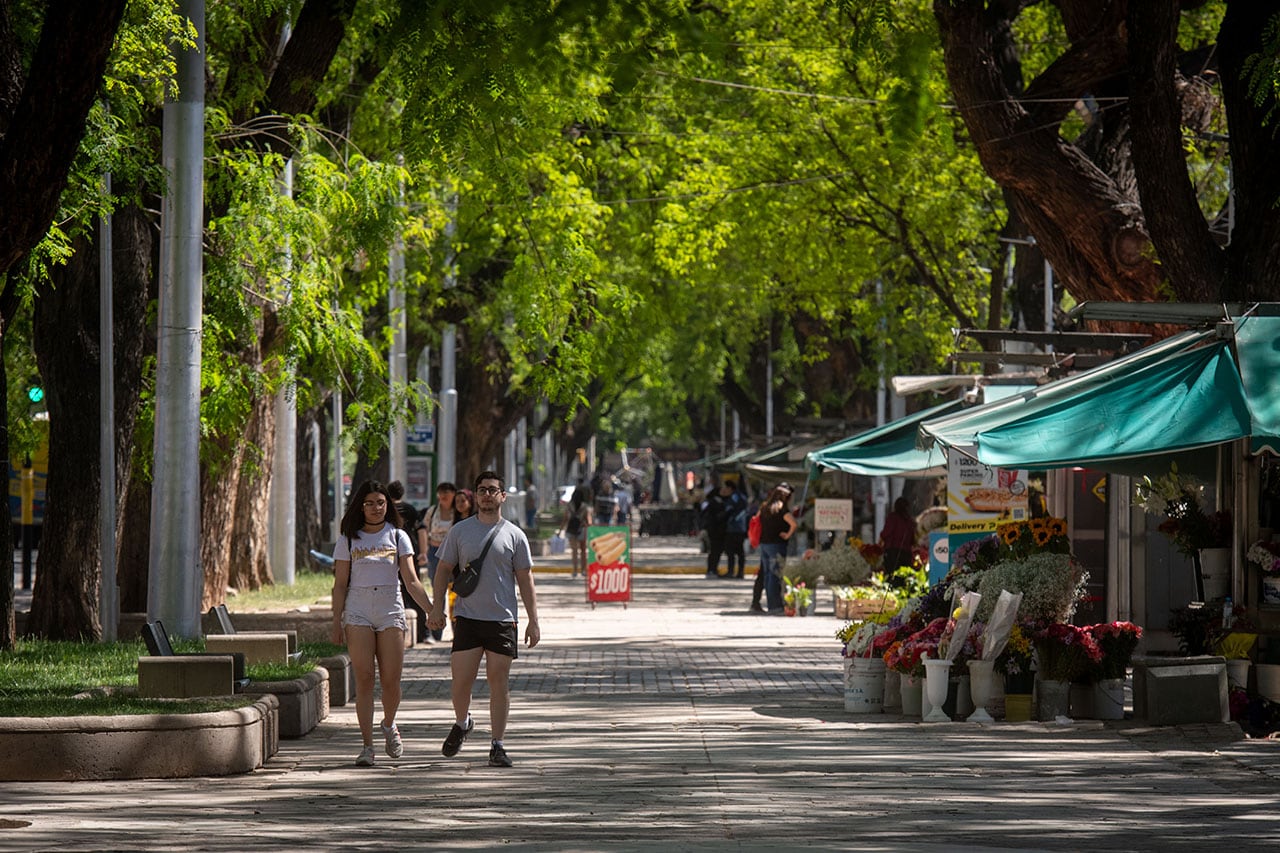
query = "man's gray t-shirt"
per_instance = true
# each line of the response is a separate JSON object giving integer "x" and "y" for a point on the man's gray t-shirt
{"x": 495, "y": 597}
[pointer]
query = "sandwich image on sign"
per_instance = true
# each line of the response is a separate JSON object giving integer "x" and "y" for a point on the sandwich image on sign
{"x": 608, "y": 547}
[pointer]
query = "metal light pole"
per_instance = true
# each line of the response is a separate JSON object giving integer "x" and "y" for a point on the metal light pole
{"x": 175, "y": 579}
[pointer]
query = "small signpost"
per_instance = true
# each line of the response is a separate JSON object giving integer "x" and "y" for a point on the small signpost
{"x": 608, "y": 564}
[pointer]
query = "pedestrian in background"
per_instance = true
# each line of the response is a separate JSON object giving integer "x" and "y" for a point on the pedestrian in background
{"x": 777, "y": 525}
{"x": 735, "y": 535}
{"x": 898, "y": 538}
{"x": 409, "y": 523}
{"x": 577, "y": 516}
{"x": 368, "y": 612}
{"x": 530, "y": 504}
{"x": 431, "y": 531}
{"x": 486, "y": 626}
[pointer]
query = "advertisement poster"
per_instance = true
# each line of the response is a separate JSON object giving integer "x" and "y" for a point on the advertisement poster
{"x": 608, "y": 563}
{"x": 832, "y": 514}
{"x": 980, "y": 498}
{"x": 939, "y": 556}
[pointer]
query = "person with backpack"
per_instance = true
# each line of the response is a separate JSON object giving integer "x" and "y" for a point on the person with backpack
{"x": 736, "y": 532}
{"x": 577, "y": 516}
{"x": 409, "y": 523}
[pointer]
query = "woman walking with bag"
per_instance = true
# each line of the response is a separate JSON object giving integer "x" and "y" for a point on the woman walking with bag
{"x": 371, "y": 556}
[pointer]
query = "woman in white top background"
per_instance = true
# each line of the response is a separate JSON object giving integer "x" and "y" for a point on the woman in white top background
{"x": 370, "y": 553}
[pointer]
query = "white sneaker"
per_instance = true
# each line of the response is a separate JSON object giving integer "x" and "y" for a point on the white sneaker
{"x": 365, "y": 758}
{"x": 395, "y": 747}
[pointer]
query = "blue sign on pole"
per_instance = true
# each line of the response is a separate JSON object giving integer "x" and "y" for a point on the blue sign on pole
{"x": 939, "y": 556}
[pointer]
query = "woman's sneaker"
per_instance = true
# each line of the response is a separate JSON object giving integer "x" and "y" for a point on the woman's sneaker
{"x": 365, "y": 758}
{"x": 498, "y": 756}
{"x": 457, "y": 735}
{"x": 395, "y": 747}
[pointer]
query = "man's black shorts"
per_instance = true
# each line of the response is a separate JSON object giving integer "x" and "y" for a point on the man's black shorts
{"x": 497, "y": 637}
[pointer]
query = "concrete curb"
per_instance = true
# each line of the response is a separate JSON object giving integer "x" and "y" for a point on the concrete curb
{"x": 303, "y": 702}
{"x": 147, "y": 746}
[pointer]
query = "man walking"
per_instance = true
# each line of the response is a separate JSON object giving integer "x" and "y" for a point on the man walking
{"x": 485, "y": 622}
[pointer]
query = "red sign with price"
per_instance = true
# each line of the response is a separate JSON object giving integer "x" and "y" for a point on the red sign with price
{"x": 608, "y": 564}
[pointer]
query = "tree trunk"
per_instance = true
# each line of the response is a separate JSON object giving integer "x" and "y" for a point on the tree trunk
{"x": 134, "y": 547}
{"x": 8, "y": 626}
{"x": 64, "y": 603}
{"x": 486, "y": 411}
{"x": 250, "y": 565}
{"x": 309, "y": 524}
{"x": 217, "y": 517}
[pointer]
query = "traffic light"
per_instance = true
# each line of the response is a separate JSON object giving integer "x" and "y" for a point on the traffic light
{"x": 35, "y": 393}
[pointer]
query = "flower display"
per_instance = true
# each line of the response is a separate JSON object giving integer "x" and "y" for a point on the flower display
{"x": 1066, "y": 652}
{"x": 1117, "y": 641}
{"x": 1266, "y": 556}
{"x": 1051, "y": 585}
{"x": 955, "y": 633}
{"x": 907, "y": 656}
{"x": 1016, "y": 657}
{"x": 842, "y": 564}
{"x": 1178, "y": 499}
{"x": 797, "y": 594}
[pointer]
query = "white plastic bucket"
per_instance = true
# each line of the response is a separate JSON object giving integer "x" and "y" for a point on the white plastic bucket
{"x": 864, "y": 688}
{"x": 1268, "y": 675}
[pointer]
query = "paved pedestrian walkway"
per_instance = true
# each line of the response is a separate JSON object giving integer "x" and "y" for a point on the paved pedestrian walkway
{"x": 680, "y": 722}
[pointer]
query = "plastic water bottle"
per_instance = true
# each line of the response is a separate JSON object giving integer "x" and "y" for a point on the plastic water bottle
{"x": 1228, "y": 612}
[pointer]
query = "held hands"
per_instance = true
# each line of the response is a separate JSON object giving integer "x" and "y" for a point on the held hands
{"x": 435, "y": 621}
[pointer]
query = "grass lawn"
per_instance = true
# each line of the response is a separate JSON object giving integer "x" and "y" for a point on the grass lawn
{"x": 41, "y": 678}
{"x": 307, "y": 590}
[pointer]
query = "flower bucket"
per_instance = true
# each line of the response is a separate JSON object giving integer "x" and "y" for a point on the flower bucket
{"x": 1081, "y": 702}
{"x": 1108, "y": 699}
{"x": 1238, "y": 672}
{"x": 1053, "y": 699}
{"x": 1270, "y": 590}
{"x": 1215, "y": 570}
{"x": 864, "y": 689}
{"x": 1268, "y": 675}
{"x": 980, "y": 684}
{"x": 910, "y": 690}
{"x": 937, "y": 682}
{"x": 892, "y": 691}
{"x": 1017, "y": 707}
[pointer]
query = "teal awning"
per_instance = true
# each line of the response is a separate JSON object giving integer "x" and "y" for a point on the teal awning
{"x": 1190, "y": 392}
{"x": 889, "y": 450}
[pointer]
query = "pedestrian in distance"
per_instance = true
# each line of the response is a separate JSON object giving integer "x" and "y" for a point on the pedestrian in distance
{"x": 577, "y": 517}
{"x": 735, "y": 535}
{"x": 486, "y": 626}
{"x": 371, "y": 552}
{"x": 898, "y": 538}
{"x": 530, "y": 504}
{"x": 717, "y": 509}
{"x": 409, "y": 521}
{"x": 777, "y": 525}
{"x": 435, "y": 523}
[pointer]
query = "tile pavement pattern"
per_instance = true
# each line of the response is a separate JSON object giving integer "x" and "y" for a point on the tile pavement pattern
{"x": 681, "y": 723}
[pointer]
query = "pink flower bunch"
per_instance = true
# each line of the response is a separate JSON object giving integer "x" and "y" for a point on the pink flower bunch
{"x": 1067, "y": 652}
{"x": 1117, "y": 641}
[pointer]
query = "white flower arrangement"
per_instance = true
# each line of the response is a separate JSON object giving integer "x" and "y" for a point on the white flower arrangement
{"x": 1051, "y": 586}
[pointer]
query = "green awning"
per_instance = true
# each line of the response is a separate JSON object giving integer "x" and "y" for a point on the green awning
{"x": 1181, "y": 402}
{"x": 1258, "y": 347}
{"x": 889, "y": 450}
{"x": 962, "y": 430}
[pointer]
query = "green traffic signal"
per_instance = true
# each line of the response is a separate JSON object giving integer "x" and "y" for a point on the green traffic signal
{"x": 35, "y": 393}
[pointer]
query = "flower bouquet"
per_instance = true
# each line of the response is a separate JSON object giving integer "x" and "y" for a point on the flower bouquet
{"x": 840, "y": 565}
{"x": 956, "y": 630}
{"x": 1266, "y": 557}
{"x": 1117, "y": 642}
{"x": 1177, "y": 498}
{"x": 1051, "y": 585}
{"x": 907, "y": 655}
{"x": 1066, "y": 652}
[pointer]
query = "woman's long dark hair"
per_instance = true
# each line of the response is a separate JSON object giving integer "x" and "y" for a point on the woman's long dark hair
{"x": 353, "y": 518}
{"x": 776, "y": 502}
{"x": 471, "y": 504}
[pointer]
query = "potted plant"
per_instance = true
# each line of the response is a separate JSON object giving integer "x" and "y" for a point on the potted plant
{"x": 1204, "y": 537}
{"x": 1265, "y": 556}
{"x": 797, "y": 598}
{"x": 1117, "y": 641}
{"x": 1064, "y": 653}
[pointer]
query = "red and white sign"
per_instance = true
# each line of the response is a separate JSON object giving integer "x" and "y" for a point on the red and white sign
{"x": 608, "y": 563}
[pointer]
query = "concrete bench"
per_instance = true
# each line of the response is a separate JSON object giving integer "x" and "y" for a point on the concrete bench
{"x": 256, "y": 648}
{"x": 1170, "y": 691}
{"x": 218, "y": 621}
{"x": 158, "y": 645}
{"x": 185, "y": 676}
